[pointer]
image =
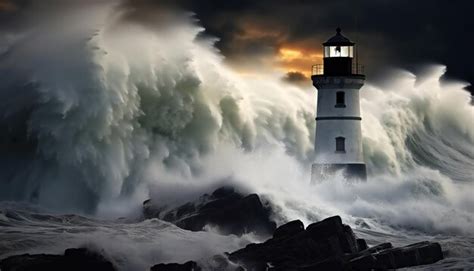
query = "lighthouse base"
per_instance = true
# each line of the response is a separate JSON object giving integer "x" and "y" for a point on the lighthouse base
{"x": 323, "y": 172}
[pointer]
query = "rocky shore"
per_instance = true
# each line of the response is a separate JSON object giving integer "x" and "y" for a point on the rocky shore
{"x": 330, "y": 245}
{"x": 73, "y": 259}
{"x": 225, "y": 209}
{"x": 324, "y": 245}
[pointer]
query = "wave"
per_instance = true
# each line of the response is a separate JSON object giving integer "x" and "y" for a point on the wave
{"x": 89, "y": 107}
{"x": 105, "y": 110}
{"x": 128, "y": 245}
{"x": 418, "y": 121}
{"x": 132, "y": 245}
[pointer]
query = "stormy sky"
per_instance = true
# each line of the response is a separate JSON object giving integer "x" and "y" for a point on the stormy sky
{"x": 287, "y": 34}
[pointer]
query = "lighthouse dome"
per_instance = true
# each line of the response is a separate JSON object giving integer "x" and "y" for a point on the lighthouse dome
{"x": 338, "y": 40}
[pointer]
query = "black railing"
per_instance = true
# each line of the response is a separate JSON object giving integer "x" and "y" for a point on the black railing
{"x": 318, "y": 69}
{"x": 357, "y": 69}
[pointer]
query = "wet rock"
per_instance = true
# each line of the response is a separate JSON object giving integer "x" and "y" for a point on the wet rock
{"x": 74, "y": 259}
{"x": 229, "y": 211}
{"x": 348, "y": 241}
{"x": 330, "y": 245}
{"x": 364, "y": 262}
{"x": 415, "y": 254}
{"x": 320, "y": 241}
{"x": 188, "y": 266}
{"x": 361, "y": 244}
{"x": 386, "y": 257}
{"x": 28, "y": 262}
{"x": 289, "y": 229}
{"x": 335, "y": 263}
{"x": 325, "y": 245}
{"x": 379, "y": 247}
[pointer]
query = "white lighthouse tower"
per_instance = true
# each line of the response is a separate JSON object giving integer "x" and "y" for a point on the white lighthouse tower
{"x": 338, "y": 144}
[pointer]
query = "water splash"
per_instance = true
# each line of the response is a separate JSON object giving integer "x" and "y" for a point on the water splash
{"x": 125, "y": 108}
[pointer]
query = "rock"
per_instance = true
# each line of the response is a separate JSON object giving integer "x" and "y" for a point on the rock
{"x": 364, "y": 262}
{"x": 361, "y": 244}
{"x": 340, "y": 236}
{"x": 320, "y": 241}
{"x": 229, "y": 211}
{"x": 379, "y": 247}
{"x": 188, "y": 266}
{"x": 289, "y": 229}
{"x": 335, "y": 263}
{"x": 329, "y": 245}
{"x": 348, "y": 241}
{"x": 325, "y": 245}
{"x": 327, "y": 227}
{"x": 418, "y": 254}
{"x": 74, "y": 259}
{"x": 28, "y": 262}
{"x": 225, "y": 191}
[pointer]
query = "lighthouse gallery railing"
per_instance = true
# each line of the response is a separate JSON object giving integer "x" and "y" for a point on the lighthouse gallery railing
{"x": 318, "y": 69}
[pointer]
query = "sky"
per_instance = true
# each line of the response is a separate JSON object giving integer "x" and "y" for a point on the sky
{"x": 287, "y": 34}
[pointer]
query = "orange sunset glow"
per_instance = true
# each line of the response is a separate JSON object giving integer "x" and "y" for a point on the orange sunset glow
{"x": 298, "y": 60}
{"x": 6, "y": 5}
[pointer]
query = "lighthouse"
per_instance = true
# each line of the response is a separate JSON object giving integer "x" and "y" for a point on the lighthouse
{"x": 338, "y": 142}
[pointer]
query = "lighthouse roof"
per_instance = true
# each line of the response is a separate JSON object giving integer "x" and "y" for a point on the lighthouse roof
{"x": 338, "y": 40}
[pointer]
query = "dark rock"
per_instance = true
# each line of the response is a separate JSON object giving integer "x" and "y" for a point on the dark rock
{"x": 188, "y": 266}
{"x": 87, "y": 259}
{"x": 318, "y": 242}
{"x": 289, "y": 229}
{"x": 364, "y": 262}
{"x": 419, "y": 254}
{"x": 348, "y": 241}
{"x": 339, "y": 236}
{"x": 327, "y": 227}
{"x": 329, "y": 245}
{"x": 333, "y": 264}
{"x": 229, "y": 211}
{"x": 27, "y": 262}
{"x": 379, "y": 247}
{"x": 429, "y": 252}
{"x": 324, "y": 245}
{"x": 361, "y": 244}
{"x": 74, "y": 259}
{"x": 385, "y": 257}
{"x": 223, "y": 192}
{"x": 388, "y": 259}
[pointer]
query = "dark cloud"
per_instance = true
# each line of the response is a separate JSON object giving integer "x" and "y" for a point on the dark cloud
{"x": 297, "y": 78}
{"x": 402, "y": 33}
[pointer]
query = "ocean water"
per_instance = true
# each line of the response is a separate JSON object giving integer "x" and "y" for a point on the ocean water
{"x": 111, "y": 108}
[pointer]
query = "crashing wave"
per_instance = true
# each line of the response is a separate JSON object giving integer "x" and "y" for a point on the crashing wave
{"x": 105, "y": 110}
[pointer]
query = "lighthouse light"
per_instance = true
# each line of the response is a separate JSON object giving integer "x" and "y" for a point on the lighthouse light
{"x": 338, "y": 51}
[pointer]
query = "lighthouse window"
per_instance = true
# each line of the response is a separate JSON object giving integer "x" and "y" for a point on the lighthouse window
{"x": 340, "y": 144}
{"x": 340, "y": 99}
{"x": 338, "y": 51}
